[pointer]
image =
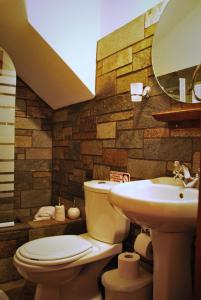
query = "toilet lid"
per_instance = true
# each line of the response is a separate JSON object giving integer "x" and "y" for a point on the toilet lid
{"x": 70, "y": 247}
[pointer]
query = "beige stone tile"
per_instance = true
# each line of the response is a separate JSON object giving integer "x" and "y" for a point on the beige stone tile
{"x": 23, "y": 141}
{"x": 33, "y": 165}
{"x": 115, "y": 157}
{"x": 22, "y": 212}
{"x": 101, "y": 172}
{"x": 124, "y": 57}
{"x": 196, "y": 162}
{"x": 115, "y": 116}
{"x": 60, "y": 115}
{"x": 121, "y": 38}
{"x": 124, "y": 70}
{"x": 146, "y": 169}
{"x": 44, "y": 138}
{"x": 142, "y": 59}
{"x": 123, "y": 83}
{"x": 7, "y": 134}
{"x": 150, "y": 30}
{"x": 58, "y": 152}
{"x": 41, "y": 174}
{"x": 106, "y": 85}
{"x": 156, "y": 132}
{"x": 146, "y": 43}
{"x": 27, "y": 123}
{"x": 155, "y": 87}
{"x": 84, "y": 136}
{"x": 186, "y": 132}
{"x": 135, "y": 153}
{"x": 130, "y": 139}
{"x": 91, "y": 147}
{"x": 78, "y": 176}
{"x": 150, "y": 71}
{"x": 41, "y": 153}
{"x": 99, "y": 64}
{"x": 168, "y": 149}
{"x": 35, "y": 198}
{"x": 42, "y": 183}
{"x": 20, "y": 156}
{"x": 21, "y": 104}
{"x": 110, "y": 63}
{"x": 106, "y": 130}
{"x": 109, "y": 144}
{"x": 125, "y": 124}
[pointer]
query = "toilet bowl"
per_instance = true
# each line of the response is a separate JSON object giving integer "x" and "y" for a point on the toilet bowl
{"x": 3, "y": 295}
{"x": 54, "y": 277}
{"x": 68, "y": 267}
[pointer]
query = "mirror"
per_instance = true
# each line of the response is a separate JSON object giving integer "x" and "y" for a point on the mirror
{"x": 176, "y": 50}
{"x": 197, "y": 83}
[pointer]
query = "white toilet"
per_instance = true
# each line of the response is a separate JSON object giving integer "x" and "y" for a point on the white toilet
{"x": 69, "y": 266}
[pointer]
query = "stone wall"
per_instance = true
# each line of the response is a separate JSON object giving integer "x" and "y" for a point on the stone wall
{"x": 33, "y": 152}
{"x": 112, "y": 133}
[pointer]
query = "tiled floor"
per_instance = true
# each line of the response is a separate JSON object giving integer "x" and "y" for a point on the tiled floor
{"x": 19, "y": 290}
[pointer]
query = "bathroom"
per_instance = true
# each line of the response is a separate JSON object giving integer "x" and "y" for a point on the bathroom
{"x": 57, "y": 150}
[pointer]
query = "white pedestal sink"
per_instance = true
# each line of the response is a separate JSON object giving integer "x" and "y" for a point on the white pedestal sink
{"x": 170, "y": 210}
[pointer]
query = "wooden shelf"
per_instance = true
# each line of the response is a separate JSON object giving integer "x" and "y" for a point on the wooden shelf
{"x": 178, "y": 115}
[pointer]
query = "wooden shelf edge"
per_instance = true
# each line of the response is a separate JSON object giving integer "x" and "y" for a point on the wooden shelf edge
{"x": 178, "y": 115}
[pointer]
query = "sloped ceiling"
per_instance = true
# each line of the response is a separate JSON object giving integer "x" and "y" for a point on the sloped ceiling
{"x": 56, "y": 55}
{"x": 35, "y": 61}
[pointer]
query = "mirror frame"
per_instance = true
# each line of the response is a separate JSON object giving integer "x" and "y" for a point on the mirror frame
{"x": 191, "y": 71}
{"x": 198, "y": 68}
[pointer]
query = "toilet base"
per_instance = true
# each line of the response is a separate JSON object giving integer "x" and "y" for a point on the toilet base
{"x": 44, "y": 292}
{"x": 83, "y": 287}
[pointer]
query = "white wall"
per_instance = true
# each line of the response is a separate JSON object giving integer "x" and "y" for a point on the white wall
{"x": 71, "y": 28}
{"x": 116, "y": 13}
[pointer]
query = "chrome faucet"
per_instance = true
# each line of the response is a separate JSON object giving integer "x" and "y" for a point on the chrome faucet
{"x": 181, "y": 172}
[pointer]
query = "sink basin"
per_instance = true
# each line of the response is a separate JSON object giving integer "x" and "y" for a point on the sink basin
{"x": 161, "y": 203}
{"x": 170, "y": 210}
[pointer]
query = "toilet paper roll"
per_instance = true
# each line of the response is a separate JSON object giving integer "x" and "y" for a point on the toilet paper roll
{"x": 59, "y": 213}
{"x": 128, "y": 265}
{"x": 143, "y": 246}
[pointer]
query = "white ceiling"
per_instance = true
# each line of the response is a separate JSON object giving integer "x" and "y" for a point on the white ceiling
{"x": 54, "y": 48}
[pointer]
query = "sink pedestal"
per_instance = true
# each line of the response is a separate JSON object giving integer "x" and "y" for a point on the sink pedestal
{"x": 172, "y": 265}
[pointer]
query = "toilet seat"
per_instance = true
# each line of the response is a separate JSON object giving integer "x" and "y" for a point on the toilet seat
{"x": 99, "y": 250}
{"x": 54, "y": 250}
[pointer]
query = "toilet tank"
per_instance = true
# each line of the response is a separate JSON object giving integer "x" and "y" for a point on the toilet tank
{"x": 105, "y": 222}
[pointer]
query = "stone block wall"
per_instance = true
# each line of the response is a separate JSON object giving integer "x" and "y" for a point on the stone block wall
{"x": 33, "y": 152}
{"x": 112, "y": 133}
